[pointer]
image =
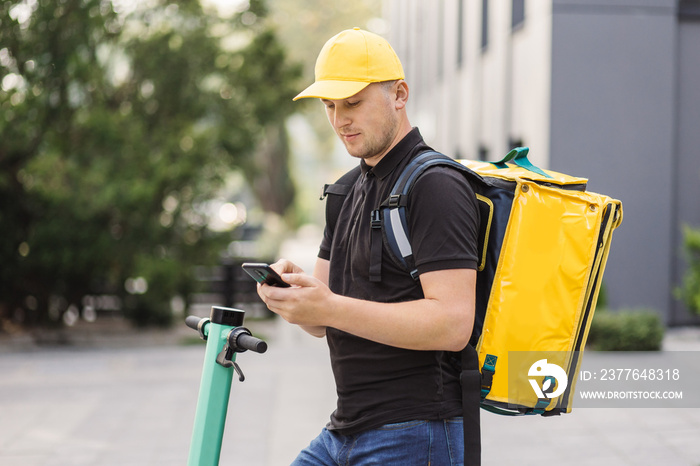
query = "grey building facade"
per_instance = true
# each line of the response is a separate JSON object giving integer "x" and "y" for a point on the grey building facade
{"x": 609, "y": 91}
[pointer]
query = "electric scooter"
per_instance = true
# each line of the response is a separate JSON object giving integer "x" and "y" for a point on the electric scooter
{"x": 225, "y": 336}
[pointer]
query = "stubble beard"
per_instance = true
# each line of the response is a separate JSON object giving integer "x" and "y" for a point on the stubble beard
{"x": 376, "y": 143}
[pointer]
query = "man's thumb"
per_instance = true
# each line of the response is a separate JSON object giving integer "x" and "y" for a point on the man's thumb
{"x": 297, "y": 279}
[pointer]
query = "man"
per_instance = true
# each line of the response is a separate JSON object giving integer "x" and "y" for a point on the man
{"x": 391, "y": 341}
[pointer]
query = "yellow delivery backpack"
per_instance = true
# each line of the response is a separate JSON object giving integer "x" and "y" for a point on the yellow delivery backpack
{"x": 541, "y": 275}
{"x": 543, "y": 242}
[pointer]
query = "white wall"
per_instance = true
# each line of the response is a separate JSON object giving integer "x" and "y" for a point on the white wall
{"x": 531, "y": 81}
{"x": 600, "y": 89}
{"x": 498, "y": 93}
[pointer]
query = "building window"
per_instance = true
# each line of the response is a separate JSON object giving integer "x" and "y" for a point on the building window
{"x": 483, "y": 153}
{"x": 518, "y": 13}
{"x": 441, "y": 41}
{"x": 484, "y": 23}
{"x": 689, "y": 10}
{"x": 515, "y": 142}
{"x": 460, "y": 33}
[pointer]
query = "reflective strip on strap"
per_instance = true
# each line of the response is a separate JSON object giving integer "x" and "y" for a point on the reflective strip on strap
{"x": 399, "y": 233}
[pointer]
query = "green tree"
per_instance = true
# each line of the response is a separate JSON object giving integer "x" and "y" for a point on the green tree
{"x": 117, "y": 127}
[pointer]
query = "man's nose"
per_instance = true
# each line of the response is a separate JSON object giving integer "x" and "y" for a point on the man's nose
{"x": 340, "y": 117}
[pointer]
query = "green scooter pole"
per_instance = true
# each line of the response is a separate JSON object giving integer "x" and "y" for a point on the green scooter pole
{"x": 225, "y": 337}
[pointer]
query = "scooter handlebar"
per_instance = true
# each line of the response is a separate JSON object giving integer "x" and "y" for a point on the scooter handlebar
{"x": 192, "y": 322}
{"x": 242, "y": 339}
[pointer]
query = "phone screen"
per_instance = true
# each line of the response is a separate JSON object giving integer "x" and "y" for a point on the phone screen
{"x": 263, "y": 273}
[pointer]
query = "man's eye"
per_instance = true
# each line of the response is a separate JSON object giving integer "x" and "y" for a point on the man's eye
{"x": 353, "y": 104}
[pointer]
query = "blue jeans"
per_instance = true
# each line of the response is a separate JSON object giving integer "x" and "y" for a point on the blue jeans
{"x": 434, "y": 443}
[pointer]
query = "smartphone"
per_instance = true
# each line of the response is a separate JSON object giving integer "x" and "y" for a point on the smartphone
{"x": 263, "y": 273}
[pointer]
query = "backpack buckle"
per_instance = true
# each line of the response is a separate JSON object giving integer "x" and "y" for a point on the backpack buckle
{"x": 395, "y": 200}
{"x": 376, "y": 219}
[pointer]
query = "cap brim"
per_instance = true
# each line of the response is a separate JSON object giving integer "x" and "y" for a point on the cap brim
{"x": 332, "y": 90}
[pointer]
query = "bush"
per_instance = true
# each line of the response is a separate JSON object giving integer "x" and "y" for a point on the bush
{"x": 689, "y": 292}
{"x": 630, "y": 330}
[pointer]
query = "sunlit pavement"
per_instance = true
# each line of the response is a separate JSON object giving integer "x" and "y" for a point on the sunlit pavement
{"x": 128, "y": 399}
{"x": 135, "y": 406}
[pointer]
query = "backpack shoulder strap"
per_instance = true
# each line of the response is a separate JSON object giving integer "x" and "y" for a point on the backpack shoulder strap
{"x": 471, "y": 381}
{"x": 336, "y": 194}
{"x": 389, "y": 221}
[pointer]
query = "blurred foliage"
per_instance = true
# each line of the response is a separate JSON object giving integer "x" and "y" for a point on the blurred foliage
{"x": 689, "y": 292}
{"x": 626, "y": 330}
{"x": 118, "y": 122}
{"x": 602, "y": 300}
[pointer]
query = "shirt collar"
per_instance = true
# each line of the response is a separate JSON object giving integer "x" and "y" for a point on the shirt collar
{"x": 392, "y": 158}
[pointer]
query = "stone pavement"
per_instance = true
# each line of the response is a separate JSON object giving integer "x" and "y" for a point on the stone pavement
{"x": 113, "y": 405}
{"x": 127, "y": 398}
{"x": 134, "y": 405}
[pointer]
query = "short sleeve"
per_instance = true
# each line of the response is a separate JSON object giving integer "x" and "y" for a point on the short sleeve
{"x": 443, "y": 221}
{"x": 324, "y": 251}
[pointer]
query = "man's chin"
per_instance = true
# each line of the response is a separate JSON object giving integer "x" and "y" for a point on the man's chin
{"x": 356, "y": 153}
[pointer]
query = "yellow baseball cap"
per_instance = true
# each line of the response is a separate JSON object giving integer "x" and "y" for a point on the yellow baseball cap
{"x": 349, "y": 62}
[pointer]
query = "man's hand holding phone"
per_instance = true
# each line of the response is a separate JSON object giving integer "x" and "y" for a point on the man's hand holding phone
{"x": 302, "y": 299}
{"x": 264, "y": 274}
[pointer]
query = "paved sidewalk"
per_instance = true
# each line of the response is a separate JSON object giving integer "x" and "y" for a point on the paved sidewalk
{"x": 124, "y": 406}
{"x": 128, "y": 399}
{"x": 135, "y": 406}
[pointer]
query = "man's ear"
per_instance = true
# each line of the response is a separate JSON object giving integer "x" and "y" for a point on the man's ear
{"x": 401, "y": 96}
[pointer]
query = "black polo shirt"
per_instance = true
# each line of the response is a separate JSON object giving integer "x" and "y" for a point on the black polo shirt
{"x": 379, "y": 384}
